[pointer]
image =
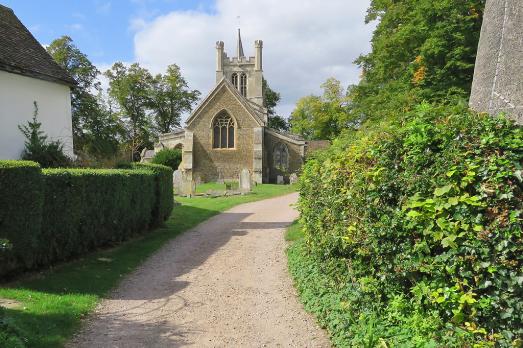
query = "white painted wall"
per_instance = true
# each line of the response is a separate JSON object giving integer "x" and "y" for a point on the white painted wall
{"x": 17, "y": 94}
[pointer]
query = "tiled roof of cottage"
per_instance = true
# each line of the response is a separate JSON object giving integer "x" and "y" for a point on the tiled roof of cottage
{"x": 21, "y": 53}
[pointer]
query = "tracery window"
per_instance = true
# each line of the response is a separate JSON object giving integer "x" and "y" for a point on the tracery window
{"x": 234, "y": 80}
{"x": 223, "y": 131}
{"x": 243, "y": 84}
{"x": 281, "y": 157}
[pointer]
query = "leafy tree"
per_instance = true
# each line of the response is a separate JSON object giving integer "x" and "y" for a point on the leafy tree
{"x": 170, "y": 98}
{"x": 322, "y": 117}
{"x": 271, "y": 99}
{"x": 421, "y": 50}
{"x": 278, "y": 122}
{"x": 168, "y": 157}
{"x": 93, "y": 130}
{"x": 130, "y": 87}
{"x": 38, "y": 148}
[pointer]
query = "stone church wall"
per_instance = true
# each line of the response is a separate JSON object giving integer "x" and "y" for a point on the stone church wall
{"x": 295, "y": 161}
{"x": 212, "y": 164}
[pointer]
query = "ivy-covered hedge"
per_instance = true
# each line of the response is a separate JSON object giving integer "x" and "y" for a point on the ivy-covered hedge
{"x": 56, "y": 214}
{"x": 414, "y": 232}
{"x": 21, "y": 201}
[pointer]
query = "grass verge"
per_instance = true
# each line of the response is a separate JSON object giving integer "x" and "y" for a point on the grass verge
{"x": 52, "y": 303}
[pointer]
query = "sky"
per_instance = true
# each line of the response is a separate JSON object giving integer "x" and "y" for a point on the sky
{"x": 305, "y": 41}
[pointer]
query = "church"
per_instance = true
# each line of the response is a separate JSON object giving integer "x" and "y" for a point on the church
{"x": 227, "y": 132}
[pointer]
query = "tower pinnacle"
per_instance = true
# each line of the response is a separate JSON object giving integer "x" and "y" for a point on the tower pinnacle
{"x": 239, "y": 49}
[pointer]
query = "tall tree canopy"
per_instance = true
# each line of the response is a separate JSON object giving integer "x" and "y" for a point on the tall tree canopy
{"x": 130, "y": 87}
{"x": 322, "y": 117}
{"x": 271, "y": 99}
{"x": 421, "y": 50}
{"x": 92, "y": 129}
{"x": 170, "y": 98}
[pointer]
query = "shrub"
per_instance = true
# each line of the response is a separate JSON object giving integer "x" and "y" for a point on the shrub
{"x": 21, "y": 200}
{"x": 168, "y": 157}
{"x": 163, "y": 191}
{"x": 55, "y": 214}
{"x": 86, "y": 208}
{"x": 417, "y": 226}
{"x": 38, "y": 148}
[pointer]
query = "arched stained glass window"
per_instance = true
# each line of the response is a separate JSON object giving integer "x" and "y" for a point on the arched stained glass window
{"x": 234, "y": 80}
{"x": 280, "y": 157}
{"x": 223, "y": 131}
{"x": 243, "y": 84}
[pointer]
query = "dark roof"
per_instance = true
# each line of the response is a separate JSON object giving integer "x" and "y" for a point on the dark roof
{"x": 20, "y": 53}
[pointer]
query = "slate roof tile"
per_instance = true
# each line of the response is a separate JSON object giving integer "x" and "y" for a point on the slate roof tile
{"x": 21, "y": 53}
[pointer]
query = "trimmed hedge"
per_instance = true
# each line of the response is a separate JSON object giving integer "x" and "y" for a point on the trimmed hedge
{"x": 414, "y": 232}
{"x": 87, "y": 208}
{"x": 21, "y": 201}
{"x": 56, "y": 214}
{"x": 164, "y": 191}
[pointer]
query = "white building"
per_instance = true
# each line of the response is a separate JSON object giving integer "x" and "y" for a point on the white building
{"x": 27, "y": 74}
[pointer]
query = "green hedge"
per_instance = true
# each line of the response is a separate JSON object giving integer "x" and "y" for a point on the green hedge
{"x": 56, "y": 214}
{"x": 87, "y": 208}
{"x": 164, "y": 191}
{"x": 21, "y": 201}
{"x": 414, "y": 231}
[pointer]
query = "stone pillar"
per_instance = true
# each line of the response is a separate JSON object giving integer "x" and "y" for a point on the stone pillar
{"x": 258, "y": 46}
{"x": 187, "y": 155}
{"x": 219, "y": 60}
{"x": 257, "y": 164}
{"x": 498, "y": 75}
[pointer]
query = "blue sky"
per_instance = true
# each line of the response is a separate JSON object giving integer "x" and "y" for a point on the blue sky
{"x": 104, "y": 30}
{"x": 305, "y": 41}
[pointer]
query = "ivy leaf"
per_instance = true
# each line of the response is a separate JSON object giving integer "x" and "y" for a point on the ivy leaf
{"x": 413, "y": 214}
{"x": 440, "y": 191}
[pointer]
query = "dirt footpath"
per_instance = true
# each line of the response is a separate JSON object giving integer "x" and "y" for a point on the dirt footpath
{"x": 222, "y": 284}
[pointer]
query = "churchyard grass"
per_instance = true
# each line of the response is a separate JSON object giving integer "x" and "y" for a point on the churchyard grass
{"x": 214, "y": 186}
{"x": 53, "y": 302}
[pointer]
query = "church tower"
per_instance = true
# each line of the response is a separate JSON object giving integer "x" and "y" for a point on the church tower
{"x": 245, "y": 73}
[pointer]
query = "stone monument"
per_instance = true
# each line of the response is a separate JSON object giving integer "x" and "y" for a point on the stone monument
{"x": 498, "y": 75}
{"x": 293, "y": 179}
{"x": 245, "y": 180}
{"x": 177, "y": 181}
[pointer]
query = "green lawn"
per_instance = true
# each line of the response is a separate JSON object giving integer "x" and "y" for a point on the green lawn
{"x": 214, "y": 186}
{"x": 54, "y": 302}
{"x": 294, "y": 232}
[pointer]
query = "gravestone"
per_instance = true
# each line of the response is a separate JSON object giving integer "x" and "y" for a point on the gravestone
{"x": 293, "y": 179}
{"x": 498, "y": 74}
{"x": 188, "y": 186}
{"x": 280, "y": 180}
{"x": 177, "y": 181}
{"x": 245, "y": 180}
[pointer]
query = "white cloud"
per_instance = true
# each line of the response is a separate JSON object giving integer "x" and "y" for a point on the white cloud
{"x": 305, "y": 42}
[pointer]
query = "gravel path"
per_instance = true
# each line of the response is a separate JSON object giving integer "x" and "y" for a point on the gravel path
{"x": 222, "y": 284}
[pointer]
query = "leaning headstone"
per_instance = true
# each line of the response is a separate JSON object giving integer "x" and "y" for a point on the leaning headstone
{"x": 280, "y": 180}
{"x": 293, "y": 179}
{"x": 245, "y": 180}
{"x": 177, "y": 181}
{"x": 497, "y": 83}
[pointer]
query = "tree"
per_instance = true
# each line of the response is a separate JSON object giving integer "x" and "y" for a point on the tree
{"x": 322, "y": 117}
{"x": 270, "y": 101}
{"x": 130, "y": 87}
{"x": 170, "y": 98}
{"x": 38, "y": 148}
{"x": 421, "y": 50}
{"x": 93, "y": 130}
